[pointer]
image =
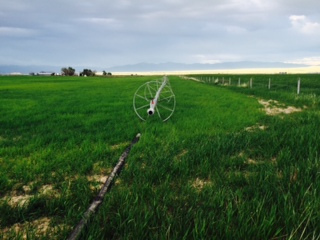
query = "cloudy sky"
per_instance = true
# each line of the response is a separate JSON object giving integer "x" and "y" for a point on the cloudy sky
{"x": 105, "y": 33}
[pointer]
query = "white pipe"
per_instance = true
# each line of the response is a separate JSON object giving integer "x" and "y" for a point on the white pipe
{"x": 154, "y": 101}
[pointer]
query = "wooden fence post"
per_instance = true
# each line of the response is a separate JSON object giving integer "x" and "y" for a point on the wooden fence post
{"x": 298, "y": 87}
{"x": 269, "y": 85}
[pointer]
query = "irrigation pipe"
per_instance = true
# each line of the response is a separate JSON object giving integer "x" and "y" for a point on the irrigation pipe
{"x": 106, "y": 186}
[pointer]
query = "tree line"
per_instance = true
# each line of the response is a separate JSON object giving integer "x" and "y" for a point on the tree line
{"x": 86, "y": 72}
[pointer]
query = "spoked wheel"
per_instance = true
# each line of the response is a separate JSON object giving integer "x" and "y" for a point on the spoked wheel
{"x": 146, "y": 93}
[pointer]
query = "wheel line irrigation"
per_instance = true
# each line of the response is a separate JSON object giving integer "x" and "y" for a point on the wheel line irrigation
{"x": 106, "y": 186}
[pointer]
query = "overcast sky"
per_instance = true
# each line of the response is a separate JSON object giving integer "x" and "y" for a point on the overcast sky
{"x": 105, "y": 33}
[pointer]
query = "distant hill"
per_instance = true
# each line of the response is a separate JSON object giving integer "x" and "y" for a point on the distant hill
{"x": 170, "y": 66}
{"x": 151, "y": 67}
{"x": 7, "y": 69}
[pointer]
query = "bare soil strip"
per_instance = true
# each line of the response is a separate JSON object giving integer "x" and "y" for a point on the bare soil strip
{"x": 273, "y": 107}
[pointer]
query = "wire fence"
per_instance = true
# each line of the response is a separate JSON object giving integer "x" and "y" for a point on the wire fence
{"x": 304, "y": 83}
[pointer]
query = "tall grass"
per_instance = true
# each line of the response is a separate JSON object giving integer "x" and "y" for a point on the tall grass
{"x": 200, "y": 175}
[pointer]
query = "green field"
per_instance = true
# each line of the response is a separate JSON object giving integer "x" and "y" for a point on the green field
{"x": 219, "y": 168}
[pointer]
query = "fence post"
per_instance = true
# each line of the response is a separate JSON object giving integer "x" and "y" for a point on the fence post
{"x": 250, "y": 82}
{"x": 229, "y": 81}
{"x": 239, "y": 82}
{"x": 269, "y": 85}
{"x": 298, "y": 87}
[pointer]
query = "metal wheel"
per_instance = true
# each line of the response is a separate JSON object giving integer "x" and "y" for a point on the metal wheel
{"x": 161, "y": 93}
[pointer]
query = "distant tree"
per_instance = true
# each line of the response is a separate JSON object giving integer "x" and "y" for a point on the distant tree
{"x": 64, "y": 71}
{"x": 68, "y": 71}
{"x": 87, "y": 72}
{"x": 104, "y": 73}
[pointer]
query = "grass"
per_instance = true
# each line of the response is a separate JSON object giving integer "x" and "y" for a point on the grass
{"x": 199, "y": 175}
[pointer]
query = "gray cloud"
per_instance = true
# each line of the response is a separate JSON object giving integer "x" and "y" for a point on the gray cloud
{"x": 106, "y": 33}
